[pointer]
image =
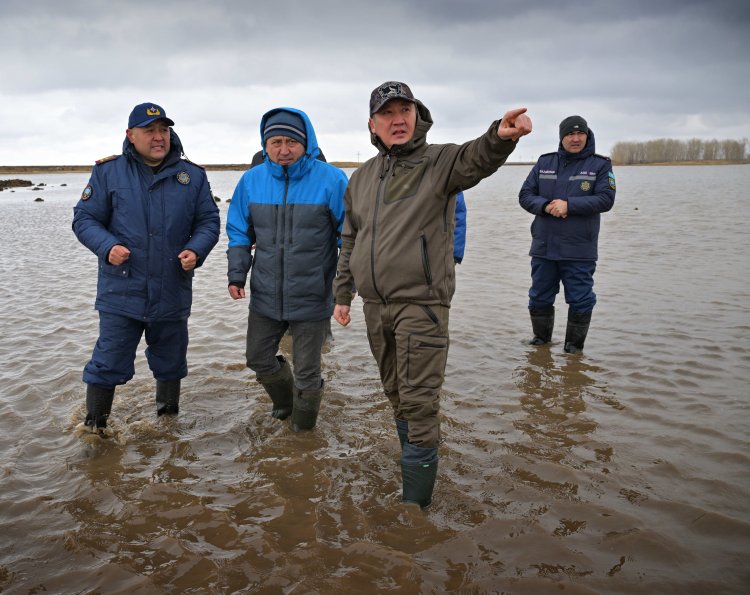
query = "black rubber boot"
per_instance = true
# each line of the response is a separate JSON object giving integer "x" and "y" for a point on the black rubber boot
{"x": 542, "y": 324}
{"x": 418, "y": 474}
{"x": 402, "y": 427}
{"x": 167, "y": 397}
{"x": 578, "y": 328}
{"x": 306, "y": 407}
{"x": 280, "y": 387}
{"x": 98, "y": 405}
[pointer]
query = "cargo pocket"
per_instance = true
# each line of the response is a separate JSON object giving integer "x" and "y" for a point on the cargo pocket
{"x": 427, "y": 357}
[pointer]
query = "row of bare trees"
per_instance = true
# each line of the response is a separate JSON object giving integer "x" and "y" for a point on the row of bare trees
{"x": 669, "y": 150}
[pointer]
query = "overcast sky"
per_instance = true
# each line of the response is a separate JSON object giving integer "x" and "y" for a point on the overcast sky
{"x": 636, "y": 70}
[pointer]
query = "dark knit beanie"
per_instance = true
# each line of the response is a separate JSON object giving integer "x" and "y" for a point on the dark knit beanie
{"x": 573, "y": 124}
{"x": 283, "y": 123}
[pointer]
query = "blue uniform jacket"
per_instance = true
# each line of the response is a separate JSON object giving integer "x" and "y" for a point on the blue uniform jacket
{"x": 293, "y": 215}
{"x": 587, "y": 182}
{"x": 155, "y": 216}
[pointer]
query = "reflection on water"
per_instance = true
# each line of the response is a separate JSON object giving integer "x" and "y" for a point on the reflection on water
{"x": 624, "y": 469}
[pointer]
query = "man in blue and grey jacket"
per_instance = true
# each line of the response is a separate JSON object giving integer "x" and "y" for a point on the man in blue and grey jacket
{"x": 149, "y": 216}
{"x": 291, "y": 208}
{"x": 566, "y": 190}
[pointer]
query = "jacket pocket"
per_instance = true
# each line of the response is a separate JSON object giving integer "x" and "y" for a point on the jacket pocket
{"x": 425, "y": 367}
{"x": 119, "y": 271}
{"x": 405, "y": 181}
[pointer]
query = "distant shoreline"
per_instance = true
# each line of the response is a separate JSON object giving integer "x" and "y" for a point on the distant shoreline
{"x": 41, "y": 169}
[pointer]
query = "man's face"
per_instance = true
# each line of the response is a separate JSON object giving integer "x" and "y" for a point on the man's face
{"x": 574, "y": 142}
{"x": 151, "y": 142}
{"x": 395, "y": 122}
{"x": 284, "y": 150}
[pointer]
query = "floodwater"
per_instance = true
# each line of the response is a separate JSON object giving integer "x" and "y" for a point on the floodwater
{"x": 622, "y": 470}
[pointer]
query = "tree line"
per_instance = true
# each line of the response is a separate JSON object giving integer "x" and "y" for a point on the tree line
{"x": 669, "y": 150}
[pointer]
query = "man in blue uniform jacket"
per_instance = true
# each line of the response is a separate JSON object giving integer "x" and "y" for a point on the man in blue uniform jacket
{"x": 566, "y": 190}
{"x": 150, "y": 218}
{"x": 291, "y": 208}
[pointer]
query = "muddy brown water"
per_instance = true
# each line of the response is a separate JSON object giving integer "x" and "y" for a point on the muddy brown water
{"x": 623, "y": 470}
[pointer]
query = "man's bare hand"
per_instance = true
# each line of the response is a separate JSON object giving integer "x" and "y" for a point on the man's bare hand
{"x": 558, "y": 208}
{"x": 188, "y": 260}
{"x": 341, "y": 314}
{"x": 236, "y": 293}
{"x": 514, "y": 124}
{"x": 118, "y": 254}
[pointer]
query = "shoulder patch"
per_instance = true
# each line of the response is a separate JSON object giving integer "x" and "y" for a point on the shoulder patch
{"x": 611, "y": 178}
{"x": 87, "y": 192}
{"x": 105, "y": 159}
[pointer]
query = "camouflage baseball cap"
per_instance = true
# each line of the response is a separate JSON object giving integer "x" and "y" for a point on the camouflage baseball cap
{"x": 382, "y": 94}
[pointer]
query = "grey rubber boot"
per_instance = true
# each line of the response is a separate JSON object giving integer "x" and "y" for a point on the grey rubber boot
{"x": 306, "y": 407}
{"x": 280, "y": 387}
{"x": 578, "y": 328}
{"x": 418, "y": 474}
{"x": 98, "y": 405}
{"x": 542, "y": 324}
{"x": 167, "y": 397}
{"x": 402, "y": 427}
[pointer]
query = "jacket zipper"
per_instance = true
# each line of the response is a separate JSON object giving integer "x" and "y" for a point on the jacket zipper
{"x": 378, "y": 198}
{"x": 426, "y": 262}
{"x": 283, "y": 236}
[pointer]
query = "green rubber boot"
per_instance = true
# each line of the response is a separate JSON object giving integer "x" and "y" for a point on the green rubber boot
{"x": 280, "y": 387}
{"x": 418, "y": 474}
{"x": 306, "y": 407}
{"x": 98, "y": 405}
{"x": 167, "y": 397}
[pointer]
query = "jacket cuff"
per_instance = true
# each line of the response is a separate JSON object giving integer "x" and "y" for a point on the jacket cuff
{"x": 344, "y": 299}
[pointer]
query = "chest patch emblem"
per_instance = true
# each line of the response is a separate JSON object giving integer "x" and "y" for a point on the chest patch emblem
{"x": 183, "y": 178}
{"x": 87, "y": 192}
{"x": 585, "y": 185}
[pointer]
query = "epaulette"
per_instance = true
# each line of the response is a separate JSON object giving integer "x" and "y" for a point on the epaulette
{"x": 550, "y": 153}
{"x": 105, "y": 159}
{"x": 192, "y": 163}
{"x": 602, "y": 156}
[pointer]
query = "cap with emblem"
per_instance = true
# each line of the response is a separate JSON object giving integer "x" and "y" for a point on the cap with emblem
{"x": 573, "y": 124}
{"x": 382, "y": 94}
{"x": 145, "y": 113}
{"x": 284, "y": 123}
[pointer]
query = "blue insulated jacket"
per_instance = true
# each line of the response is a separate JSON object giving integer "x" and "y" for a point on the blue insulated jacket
{"x": 293, "y": 216}
{"x": 587, "y": 182}
{"x": 459, "y": 236}
{"x": 155, "y": 216}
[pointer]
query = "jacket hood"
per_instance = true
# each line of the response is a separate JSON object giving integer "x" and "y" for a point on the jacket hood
{"x": 311, "y": 151}
{"x": 175, "y": 150}
{"x": 424, "y": 123}
{"x": 587, "y": 151}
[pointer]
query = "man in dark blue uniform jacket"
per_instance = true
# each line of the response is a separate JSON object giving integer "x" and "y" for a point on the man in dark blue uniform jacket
{"x": 566, "y": 190}
{"x": 149, "y": 216}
